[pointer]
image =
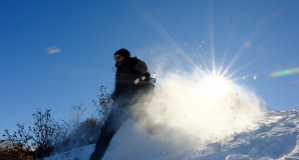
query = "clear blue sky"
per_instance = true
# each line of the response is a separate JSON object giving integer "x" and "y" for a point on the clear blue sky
{"x": 250, "y": 37}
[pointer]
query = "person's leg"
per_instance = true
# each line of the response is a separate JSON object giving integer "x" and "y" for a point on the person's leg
{"x": 104, "y": 139}
{"x": 114, "y": 121}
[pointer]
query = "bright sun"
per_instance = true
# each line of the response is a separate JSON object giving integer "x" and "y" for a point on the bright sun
{"x": 216, "y": 86}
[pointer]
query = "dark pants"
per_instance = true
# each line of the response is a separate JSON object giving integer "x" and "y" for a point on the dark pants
{"x": 118, "y": 115}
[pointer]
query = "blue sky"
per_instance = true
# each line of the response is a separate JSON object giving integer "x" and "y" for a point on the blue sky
{"x": 250, "y": 38}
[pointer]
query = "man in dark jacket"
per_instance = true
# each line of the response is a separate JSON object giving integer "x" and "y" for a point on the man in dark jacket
{"x": 131, "y": 75}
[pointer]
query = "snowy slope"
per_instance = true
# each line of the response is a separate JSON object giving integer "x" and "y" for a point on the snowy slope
{"x": 4, "y": 143}
{"x": 273, "y": 137}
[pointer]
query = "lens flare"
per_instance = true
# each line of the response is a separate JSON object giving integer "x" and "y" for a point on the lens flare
{"x": 53, "y": 50}
{"x": 285, "y": 72}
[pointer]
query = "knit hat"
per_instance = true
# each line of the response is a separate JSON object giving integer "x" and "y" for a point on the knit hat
{"x": 123, "y": 52}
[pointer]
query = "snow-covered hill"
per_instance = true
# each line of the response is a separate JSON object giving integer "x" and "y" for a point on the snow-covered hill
{"x": 4, "y": 143}
{"x": 273, "y": 137}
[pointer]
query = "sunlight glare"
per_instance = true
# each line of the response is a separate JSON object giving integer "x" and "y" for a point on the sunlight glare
{"x": 215, "y": 86}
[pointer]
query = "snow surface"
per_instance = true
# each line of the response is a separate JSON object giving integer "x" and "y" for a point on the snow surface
{"x": 4, "y": 143}
{"x": 273, "y": 137}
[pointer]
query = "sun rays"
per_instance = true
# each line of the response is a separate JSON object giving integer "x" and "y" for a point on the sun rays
{"x": 229, "y": 66}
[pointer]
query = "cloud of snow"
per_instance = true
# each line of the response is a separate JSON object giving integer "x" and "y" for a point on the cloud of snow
{"x": 188, "y": 110}
{"x": 182, "y": 107}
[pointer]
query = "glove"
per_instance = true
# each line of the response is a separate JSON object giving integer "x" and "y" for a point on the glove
{"x": 132, "y": 61}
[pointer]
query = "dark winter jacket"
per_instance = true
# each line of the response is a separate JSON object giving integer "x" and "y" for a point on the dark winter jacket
{"x": 130, "y": 70}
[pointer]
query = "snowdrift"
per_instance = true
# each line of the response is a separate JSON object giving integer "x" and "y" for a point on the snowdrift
{"x": 274, "y": 137}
